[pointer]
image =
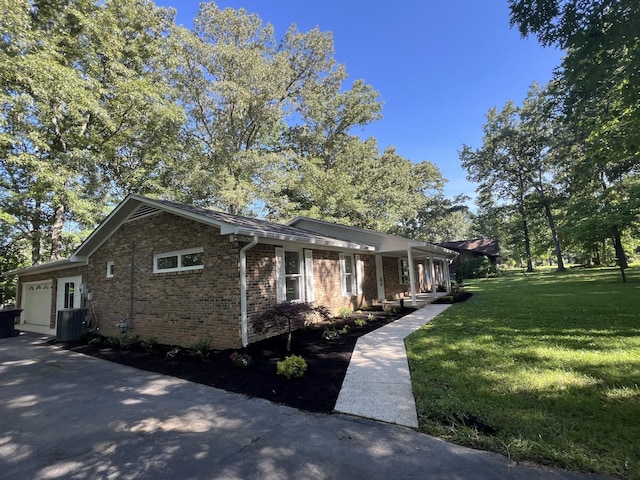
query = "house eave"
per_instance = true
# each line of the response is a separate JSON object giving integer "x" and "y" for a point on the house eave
{"x": 46, "y": 267}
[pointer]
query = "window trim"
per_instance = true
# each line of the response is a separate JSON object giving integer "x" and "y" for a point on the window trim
{"x": 281, "y": 275}
{"x": 180, "y": 254}
{"x": 110, "y": 269}
{"x": 347, "y": 284}
{"x": 401, "y": 272}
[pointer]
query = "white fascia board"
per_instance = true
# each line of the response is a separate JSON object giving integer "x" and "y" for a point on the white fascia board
{"x": 309, "y": 241}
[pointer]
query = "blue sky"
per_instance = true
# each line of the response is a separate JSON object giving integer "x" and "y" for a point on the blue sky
{"x": 439, "y": 66}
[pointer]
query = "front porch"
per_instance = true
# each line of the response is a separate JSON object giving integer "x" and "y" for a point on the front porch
{"x": 422, "y": 299}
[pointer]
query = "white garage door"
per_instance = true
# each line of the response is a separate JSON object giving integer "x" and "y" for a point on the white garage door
{"x": 36, "y": 303}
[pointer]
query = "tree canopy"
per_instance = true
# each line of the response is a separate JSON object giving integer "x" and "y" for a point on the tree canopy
{"x": 582, "y": 145}
{"x": 99, "y": 99}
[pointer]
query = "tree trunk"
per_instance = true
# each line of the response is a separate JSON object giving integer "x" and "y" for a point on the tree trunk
{"x": 621, "y": 257}
{"x": 554, "y": 236}
{"x": 36, "y": 234}
{"x": 56, "y": 234}
{"x": 527, "y": 244}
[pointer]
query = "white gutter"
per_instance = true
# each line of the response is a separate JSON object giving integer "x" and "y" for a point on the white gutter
{"x": 243, "y": 289}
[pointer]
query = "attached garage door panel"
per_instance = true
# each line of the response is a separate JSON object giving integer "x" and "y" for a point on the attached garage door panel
{"x": 36, "y": 302}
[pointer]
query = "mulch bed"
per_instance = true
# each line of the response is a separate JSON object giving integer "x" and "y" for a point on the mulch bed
{"x": 316, "y": 391}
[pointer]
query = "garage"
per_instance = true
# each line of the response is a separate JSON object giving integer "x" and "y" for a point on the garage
{"x": 36, "y": 305}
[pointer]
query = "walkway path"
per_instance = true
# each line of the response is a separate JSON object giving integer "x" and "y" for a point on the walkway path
{"x": 378, "y": 384}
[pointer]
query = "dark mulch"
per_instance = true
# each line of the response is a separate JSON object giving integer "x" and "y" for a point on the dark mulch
{"x": 316, "y": 391}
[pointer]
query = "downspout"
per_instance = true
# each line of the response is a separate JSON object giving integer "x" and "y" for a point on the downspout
{"x": 132, "y": 291}
{"x": 243, "y": 289}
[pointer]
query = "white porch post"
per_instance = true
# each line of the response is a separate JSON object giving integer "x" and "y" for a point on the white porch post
{"x": 432, "y": 273}
{"x": 447, "y": 275}
{"x": 380, "y": 278}
{"x": 412, "y": 278}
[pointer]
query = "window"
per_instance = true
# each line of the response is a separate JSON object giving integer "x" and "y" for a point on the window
{"x": 403, "y": 268}
{"x": 110, "y": 269}
{"x": 347, "y": 275}
{"x": 69, "y": 291}
{"x": 292, "y": 276}
{"x": 182, "y": 260}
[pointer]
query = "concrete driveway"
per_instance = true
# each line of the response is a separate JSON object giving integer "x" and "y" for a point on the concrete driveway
{"x": 65, "y": 415}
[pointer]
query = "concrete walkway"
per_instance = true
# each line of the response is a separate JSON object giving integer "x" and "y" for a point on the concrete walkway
{"x": 378, "y": 383}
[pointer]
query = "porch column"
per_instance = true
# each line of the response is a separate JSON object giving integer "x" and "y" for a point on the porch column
{"x": 412, "y": 278}
{"x": 380, "y": 278}
{"x": 447, "y": 275}
{"x": 432, "y": 272}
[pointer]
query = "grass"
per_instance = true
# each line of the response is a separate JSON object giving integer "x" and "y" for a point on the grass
{"x": 543, "y": 367}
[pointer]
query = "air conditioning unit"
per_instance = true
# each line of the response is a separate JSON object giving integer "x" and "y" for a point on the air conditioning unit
{"x": 71, "y": 324}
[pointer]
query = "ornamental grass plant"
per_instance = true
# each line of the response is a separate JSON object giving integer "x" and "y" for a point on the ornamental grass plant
{"x": 543, "y": 367}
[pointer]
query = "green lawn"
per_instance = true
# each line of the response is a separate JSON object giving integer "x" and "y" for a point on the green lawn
{"x": 544, "y": 367}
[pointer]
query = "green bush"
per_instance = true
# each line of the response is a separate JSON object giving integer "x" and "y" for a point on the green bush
{"x": 360, "y": 322}
{"x": 478, "y": 267}
{"x": 128, "y": 341}
{"x": 149, "y": 344}
{"x": 293, "y": 366}
{"x": 202, "y": 348}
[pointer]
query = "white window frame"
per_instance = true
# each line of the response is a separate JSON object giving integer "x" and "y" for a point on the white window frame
{"x": 347, "y": 280}
{"x": 404, "y": 276}
{"x": 179, "y": 254}
{"x": 110, "y": 269}
{"x": 281, "y": 275}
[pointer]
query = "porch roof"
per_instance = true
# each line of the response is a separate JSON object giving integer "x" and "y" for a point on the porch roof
{"x": 382, "y": 242}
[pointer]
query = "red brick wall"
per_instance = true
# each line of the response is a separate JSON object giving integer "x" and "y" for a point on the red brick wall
{"x": 177, "y": 307}
{"x": 392, "y": 287}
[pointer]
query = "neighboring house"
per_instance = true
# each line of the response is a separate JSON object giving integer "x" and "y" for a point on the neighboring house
{"x": 178, "y": 273}
{"x": 469, "y": 249}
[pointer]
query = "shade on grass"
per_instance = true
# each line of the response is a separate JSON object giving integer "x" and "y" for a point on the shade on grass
{"x": 544, "y": 367}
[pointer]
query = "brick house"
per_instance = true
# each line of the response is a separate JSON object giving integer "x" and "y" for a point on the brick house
{"x": 179, "y": 273}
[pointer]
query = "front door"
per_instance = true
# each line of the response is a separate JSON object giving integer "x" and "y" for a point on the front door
{"x": 69, "y": 293}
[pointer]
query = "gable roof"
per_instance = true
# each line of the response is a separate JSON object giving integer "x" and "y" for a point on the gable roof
{"x": 486, "y": 246}
{"x": 136, "y": 206}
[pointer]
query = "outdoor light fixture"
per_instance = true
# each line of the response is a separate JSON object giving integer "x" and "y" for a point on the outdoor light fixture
{"x": 122, "y": 325}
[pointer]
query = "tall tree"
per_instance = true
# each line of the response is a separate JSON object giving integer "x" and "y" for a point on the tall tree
{"x": 243, "y": 91}
{"x": 599, "y": 87}
{"x": 537, "y": 132}
{"x": 81, "y": 97}
{"x": 501, "y": 169}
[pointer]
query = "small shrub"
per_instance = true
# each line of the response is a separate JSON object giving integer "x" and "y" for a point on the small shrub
{"x": 330, "y": 333}
{"x": 389, "y": 310}
{"x": 345, "y": 312}
{"x": 371, "y": 317}
{"x": 241, "y": 360}
{"x": 175, "y": 351}
{"x": 128, "y": 341}
{"x": 293, "y": 366}
{"x": 360, "y": 322}
{"x": 149, "y": 344}
{"x": 202, "y": 348}
{"x": 359, "y": 312}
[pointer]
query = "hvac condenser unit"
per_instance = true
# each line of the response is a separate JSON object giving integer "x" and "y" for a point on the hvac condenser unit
{"x": 71, "y": 324}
